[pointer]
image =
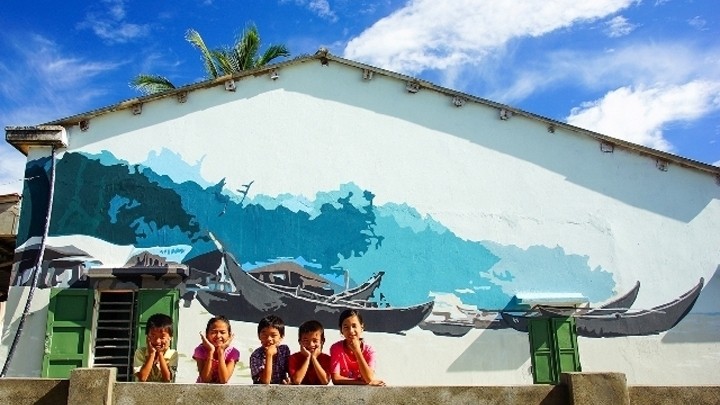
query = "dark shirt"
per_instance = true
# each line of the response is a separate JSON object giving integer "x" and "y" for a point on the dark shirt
{"x": 279, "y": 364}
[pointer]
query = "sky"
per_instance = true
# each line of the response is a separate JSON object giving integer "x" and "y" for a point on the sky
{"x": 644, "y": 71}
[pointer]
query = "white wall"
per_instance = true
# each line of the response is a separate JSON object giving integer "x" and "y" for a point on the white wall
{"x": 509, "y": 182}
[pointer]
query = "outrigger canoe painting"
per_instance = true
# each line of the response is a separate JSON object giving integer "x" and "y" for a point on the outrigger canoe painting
{"x": 244, "y": 254}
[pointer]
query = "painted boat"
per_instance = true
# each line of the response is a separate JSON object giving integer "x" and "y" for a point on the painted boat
{"x": 635, "y": 323}
{"x": 618, "y": 323}
{"x": 254, "y": 299}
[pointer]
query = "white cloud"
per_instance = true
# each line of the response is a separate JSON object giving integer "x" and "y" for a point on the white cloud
{"x": 638, "y": 114}
{"x": 428, "y": 34}
{"x": 12, "y": 166}
{"x": 110, "y": 24}
{"x": 698, "y": 23}
{"x": 319, "y": 7}
{"x": 44, "y": 82}
{"x": 618, "y": 26}
{"x": 633, "y": 64}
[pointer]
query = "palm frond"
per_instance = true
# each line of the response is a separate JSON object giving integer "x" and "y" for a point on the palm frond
{"x": 247, "y": 46}
{"x": 196, "y": 40}
{"x": 151, "y": 84}
{"x": 273, "y": 52}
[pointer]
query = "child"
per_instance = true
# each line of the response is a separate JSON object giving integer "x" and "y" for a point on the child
{"x": 214, "y": 356}
{"x": 269, "y": 362}
{"x": 352, "y": 360}
{"x": 156, "y": 362}
{"x": 310, "y": 365}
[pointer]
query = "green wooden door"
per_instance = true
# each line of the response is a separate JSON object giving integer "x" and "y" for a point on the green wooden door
{"x": 541, "y": 352}
{"x": 156, "y": 301}
{"x": 553, "y": 348}
{"x": 68, "y": 331}
{"x": 566, "y": 349}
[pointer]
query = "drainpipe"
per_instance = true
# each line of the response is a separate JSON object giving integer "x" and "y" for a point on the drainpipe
{"x": 36, "y": 270}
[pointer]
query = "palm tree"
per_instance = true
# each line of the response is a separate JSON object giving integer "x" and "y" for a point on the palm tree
{"x": 226, "y": 60}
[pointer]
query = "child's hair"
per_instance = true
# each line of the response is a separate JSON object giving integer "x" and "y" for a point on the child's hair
{"x": 347, "y": 314}
{"x": 159, "y": 321}
{"x": 217, "y": 318}
{"x": 311, "y": 326}
{"x": 272, "y": 321}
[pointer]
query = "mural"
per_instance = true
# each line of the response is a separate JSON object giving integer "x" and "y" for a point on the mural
{"x": 246, "y": 255}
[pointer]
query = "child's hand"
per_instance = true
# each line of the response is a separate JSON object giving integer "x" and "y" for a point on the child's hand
{"x": 377, "y": 383}
{"x": 271, "y": 350}
{"x": 208, "y": 345}
{"x": 227, "y": 343}
{"x": 305, "y": 351}
{"x": 355, "y": 344}
{"x": 150, "y": 348}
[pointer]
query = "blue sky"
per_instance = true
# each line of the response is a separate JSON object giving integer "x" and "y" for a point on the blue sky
{"x": 644, "y": 71}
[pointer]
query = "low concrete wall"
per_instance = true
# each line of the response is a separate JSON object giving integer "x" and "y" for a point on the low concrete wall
{"x": 28, "y": 391}
{"x": 97, "y": 386}
{"x": 642, "y": 395}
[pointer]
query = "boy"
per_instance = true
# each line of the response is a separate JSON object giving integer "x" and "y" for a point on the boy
{"x": 269, "y": 362}
{"x": 156, "y": 362}
{"x": 310, "y": 366}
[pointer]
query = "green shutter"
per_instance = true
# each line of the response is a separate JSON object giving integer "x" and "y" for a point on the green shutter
{"x": 553, "y": 348}
{"x": 541, "y": 352}
{"x": 156, "y": 301}
{"x": 566, "y": 348}
{"x": 68, "y": 331}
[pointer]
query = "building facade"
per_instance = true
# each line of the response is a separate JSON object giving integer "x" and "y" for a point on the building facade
{"x": 481, "y": 243}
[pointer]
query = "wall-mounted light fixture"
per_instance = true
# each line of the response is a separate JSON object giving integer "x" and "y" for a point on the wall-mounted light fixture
{"x": 551, "y": 128}
{"x": 412, "y": 87}
{"x": 137, "y": 109}
{"x": 661, "y": 165}
{"x": 367, "y": 74}
{"x": 182, "y": 97}
{"x": 274, "y": 74}
{"x": 505, "y": 114}
{"x": 606, "y": 147}
{"x": 84, "y": 125}
{"x": 458, "y": 101}
{"x": 230, "y": 85}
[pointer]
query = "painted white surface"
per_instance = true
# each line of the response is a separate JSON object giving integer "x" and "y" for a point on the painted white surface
{"x": 510, "y": 182}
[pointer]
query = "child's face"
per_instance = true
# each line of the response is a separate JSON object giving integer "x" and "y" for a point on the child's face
{"x": 159, "y": 338}
{"x": 218, "y": 333}
{"x": 352, "y": 328}
{"x": 311, "y": 340}
{"x": 269, "y": 336}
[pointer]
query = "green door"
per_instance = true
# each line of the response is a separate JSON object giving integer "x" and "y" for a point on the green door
{"x": 553, "y": 348}
{"x": 67, "y": 336}
{"x": 156, "y": 301}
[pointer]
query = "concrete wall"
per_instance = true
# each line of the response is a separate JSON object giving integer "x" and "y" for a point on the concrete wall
{"x": 97, "y": 386}
{"x": 455, "y": 205}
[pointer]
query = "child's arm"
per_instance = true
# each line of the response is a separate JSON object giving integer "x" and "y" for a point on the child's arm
{"x": 205, "y": 365}
{"x": 320, "y": 372}
{"x": 144, "y": 372}
{"x": 164, "y": 367}
{"x": 297, "y": 374}
{"x": 367, "y": 373}
{"x": 225, "y": 369}
{"x": 266, "y": 373}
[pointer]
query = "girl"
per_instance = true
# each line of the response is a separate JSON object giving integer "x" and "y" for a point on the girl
{"x": 214, "y": 356}
{"x": 352, "y": 360}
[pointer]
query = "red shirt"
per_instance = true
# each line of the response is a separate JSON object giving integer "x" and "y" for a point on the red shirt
{"x": 311, "y": 378}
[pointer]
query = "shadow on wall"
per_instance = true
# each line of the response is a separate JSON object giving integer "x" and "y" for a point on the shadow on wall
{"x": 28, "y": 356}
{"x": 621, "y": 175}
{"x": 494, "y": 350}
{"x": 702, "y": 324}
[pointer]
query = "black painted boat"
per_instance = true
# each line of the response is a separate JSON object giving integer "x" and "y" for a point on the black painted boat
{"x": 254, "y": 299}
{"x": 618, "y": 322}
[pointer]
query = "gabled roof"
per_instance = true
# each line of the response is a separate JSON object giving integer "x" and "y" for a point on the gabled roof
{"x": 322, "y": 57}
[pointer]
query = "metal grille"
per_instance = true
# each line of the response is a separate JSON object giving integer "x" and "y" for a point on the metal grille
{"x": 115, "y": 333}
